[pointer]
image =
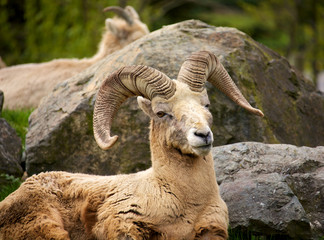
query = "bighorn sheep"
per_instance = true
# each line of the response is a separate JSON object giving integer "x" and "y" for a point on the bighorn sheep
{"x": 25, "y": 85}
{"x": 177, "y": 198}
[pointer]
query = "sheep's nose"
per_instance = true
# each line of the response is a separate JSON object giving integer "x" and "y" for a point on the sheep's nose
{"x": 205, "y": 135}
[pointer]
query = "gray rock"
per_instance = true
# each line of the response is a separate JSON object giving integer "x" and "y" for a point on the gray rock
{"x": 1, "y": 101}
{"x": 273, "y": 189}
{"x": 10, "y": 150}
{"x": 60, "y": 134}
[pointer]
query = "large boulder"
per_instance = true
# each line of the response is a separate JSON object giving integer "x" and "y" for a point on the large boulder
{"x": 273, "y": 189}
{"x": 10, "y": 150}
{"x": 60, "y": 134}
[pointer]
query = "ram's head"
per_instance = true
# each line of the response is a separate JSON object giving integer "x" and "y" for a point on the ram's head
{"x": 178, "y": 108}
{"x": 128, "y": 26}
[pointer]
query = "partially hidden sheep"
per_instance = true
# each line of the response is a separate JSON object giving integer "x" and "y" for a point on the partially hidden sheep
{"x": 25, "y": 85}
{"x": 177, "y": 198}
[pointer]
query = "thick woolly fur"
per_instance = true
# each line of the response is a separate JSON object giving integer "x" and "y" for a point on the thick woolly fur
{"x": 25, "y": 85}
{"x": 177, "y": 198}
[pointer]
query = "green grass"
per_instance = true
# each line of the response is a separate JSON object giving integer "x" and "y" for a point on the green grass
{"x": 18, "y": 119}
{"x": 8, "y": 184}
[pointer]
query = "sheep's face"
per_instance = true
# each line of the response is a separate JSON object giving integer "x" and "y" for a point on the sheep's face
{"x": 124, "y": 32}
{"x": 183, "y": 121}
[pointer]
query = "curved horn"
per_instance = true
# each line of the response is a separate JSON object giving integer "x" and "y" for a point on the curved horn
{"x": 121, "y": 13}
{"x": 204, "y": 66}
{"x": 122, "y": 84}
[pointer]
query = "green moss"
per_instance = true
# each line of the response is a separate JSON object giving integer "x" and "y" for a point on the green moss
{"x": 246, "y": 75}
{"x": 89, "y": 120}
{"x": 18, "y": 119}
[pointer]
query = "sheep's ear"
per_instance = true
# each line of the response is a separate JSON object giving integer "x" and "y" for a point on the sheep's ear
{"x": 132, "y": 12}
{"x": 111, "y": 26}
{"x": 146, "y": 106}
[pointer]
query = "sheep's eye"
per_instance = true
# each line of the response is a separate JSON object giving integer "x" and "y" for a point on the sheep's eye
{"x": 207, "y": 105}
{"x": 160, "y": 114}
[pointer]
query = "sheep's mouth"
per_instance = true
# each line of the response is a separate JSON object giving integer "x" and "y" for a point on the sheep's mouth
{"x": 202, "y": 150}
{"x": 203, "y": 146}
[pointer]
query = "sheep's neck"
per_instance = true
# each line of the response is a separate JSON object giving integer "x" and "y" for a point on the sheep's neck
{"x": 192, "y": 175}
{"x": 109, "y": 44}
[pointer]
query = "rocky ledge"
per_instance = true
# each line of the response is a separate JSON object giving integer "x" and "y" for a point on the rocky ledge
{"x": 273, "y": 189}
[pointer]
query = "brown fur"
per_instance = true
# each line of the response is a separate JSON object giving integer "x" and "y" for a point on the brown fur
{"x": 25, "y": 85}
{"x": 178, "y": 198}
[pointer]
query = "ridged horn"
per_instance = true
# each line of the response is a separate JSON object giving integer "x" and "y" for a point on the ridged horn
{"x": 121, "y": 13}
{"x": 204, "y": 66}
{"x": 126, "y": 82}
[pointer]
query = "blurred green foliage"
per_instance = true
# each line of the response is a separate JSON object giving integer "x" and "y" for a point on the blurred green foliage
{"x": 41, "y": 30}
